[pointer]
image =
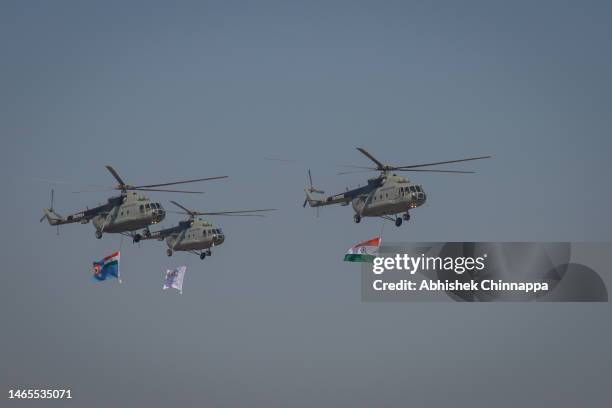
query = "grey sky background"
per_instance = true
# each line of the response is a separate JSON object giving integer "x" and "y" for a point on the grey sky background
{"x": 167, "y": 90}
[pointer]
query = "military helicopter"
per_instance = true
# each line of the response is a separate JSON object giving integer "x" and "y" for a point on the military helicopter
{"x": 122, "y": 214}
{"x": 195, "y": 234}
{"x": 384, "y": 196}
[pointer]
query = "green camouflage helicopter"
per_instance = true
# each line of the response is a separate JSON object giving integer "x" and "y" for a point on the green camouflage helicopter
{"x": 194, "y": 234}
{"x": 122, "y": 214}
{"x": 384, "y": 196}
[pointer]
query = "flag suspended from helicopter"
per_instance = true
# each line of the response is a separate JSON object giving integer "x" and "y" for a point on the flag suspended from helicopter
{"x": 363, "y": 252}
{"x": 107, "y": 268}
{"x": 174, "y": 278}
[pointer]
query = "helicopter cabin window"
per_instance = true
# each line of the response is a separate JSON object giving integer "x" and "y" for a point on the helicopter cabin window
{"x": 141, "y": 208}
{"x": 413, "y": 189}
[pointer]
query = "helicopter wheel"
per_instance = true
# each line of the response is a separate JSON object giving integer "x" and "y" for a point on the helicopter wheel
{"x": 98, "y": 234}
{"x": 398, "y": 221}
{"x": 356, "y": 218}
{"x": 169, "y": 252}
{"x": 203, "y": 255}
{"x": 137, "y": 238}
{"x": 406, "y": 216}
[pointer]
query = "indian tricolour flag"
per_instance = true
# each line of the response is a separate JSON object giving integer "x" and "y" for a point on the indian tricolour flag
{"x": 363, "y": 252}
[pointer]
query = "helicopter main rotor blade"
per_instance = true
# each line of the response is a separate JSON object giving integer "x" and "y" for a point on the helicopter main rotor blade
{"x": 188, "y": 211}
{"x": 94, "y": 191}
{"x": 350, "y": 166}
{"x": 238, "y": 215}
{"x": 356, "y": 171}
{"x": 438, "y": 171}
{"x": 442, "y": 162}
{"x": 310, "y": 178}
{"x": 163, "y": 191}
{"x": 223, "y": 215}
{"x": 369, "y": 156}
{"x": 180, "y": 182}
{"x": 240, "y": 212}
{"x": 115, "y": 175}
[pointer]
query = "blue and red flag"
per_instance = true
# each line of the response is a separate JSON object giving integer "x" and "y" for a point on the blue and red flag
{"x": 107, "y": 268}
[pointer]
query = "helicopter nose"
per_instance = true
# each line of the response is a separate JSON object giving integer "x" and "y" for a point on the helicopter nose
{"x": 218, "y": 239}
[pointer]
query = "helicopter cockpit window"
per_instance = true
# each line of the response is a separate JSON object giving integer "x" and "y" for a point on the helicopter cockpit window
{"x": 418, "y": 188}
{"x": 413, "y": 189}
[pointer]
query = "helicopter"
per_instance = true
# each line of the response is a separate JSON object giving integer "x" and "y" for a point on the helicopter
{"x": 122, "y": 214}
{"x": 195, "y": 234}
{"x": 385, "y": 195}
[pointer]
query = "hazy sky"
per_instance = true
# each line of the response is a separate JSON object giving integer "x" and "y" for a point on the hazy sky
{"x": 170, "y": 90}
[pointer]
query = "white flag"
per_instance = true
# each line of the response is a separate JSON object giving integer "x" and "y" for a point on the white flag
{"x": 174, "y": 278}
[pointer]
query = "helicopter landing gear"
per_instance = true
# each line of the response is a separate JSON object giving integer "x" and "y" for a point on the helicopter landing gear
{"x": 202, "y": 255}
{"x": 356, "y": 218}
{"x": 406, "y": 216}
{"x": 169, "y": 252}
{"x": 98, "y": 234}
{"x": 398, "y": 221}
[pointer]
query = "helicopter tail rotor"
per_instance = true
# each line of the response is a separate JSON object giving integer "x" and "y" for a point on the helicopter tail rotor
{"x": 49, "y": 210}
{"x": 50, "y": 215}
{"x": 309, "y": 190}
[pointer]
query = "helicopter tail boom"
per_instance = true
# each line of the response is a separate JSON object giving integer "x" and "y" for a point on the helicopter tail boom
{"x": 330, "y": 200}
{"x": 52, "y": 217}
